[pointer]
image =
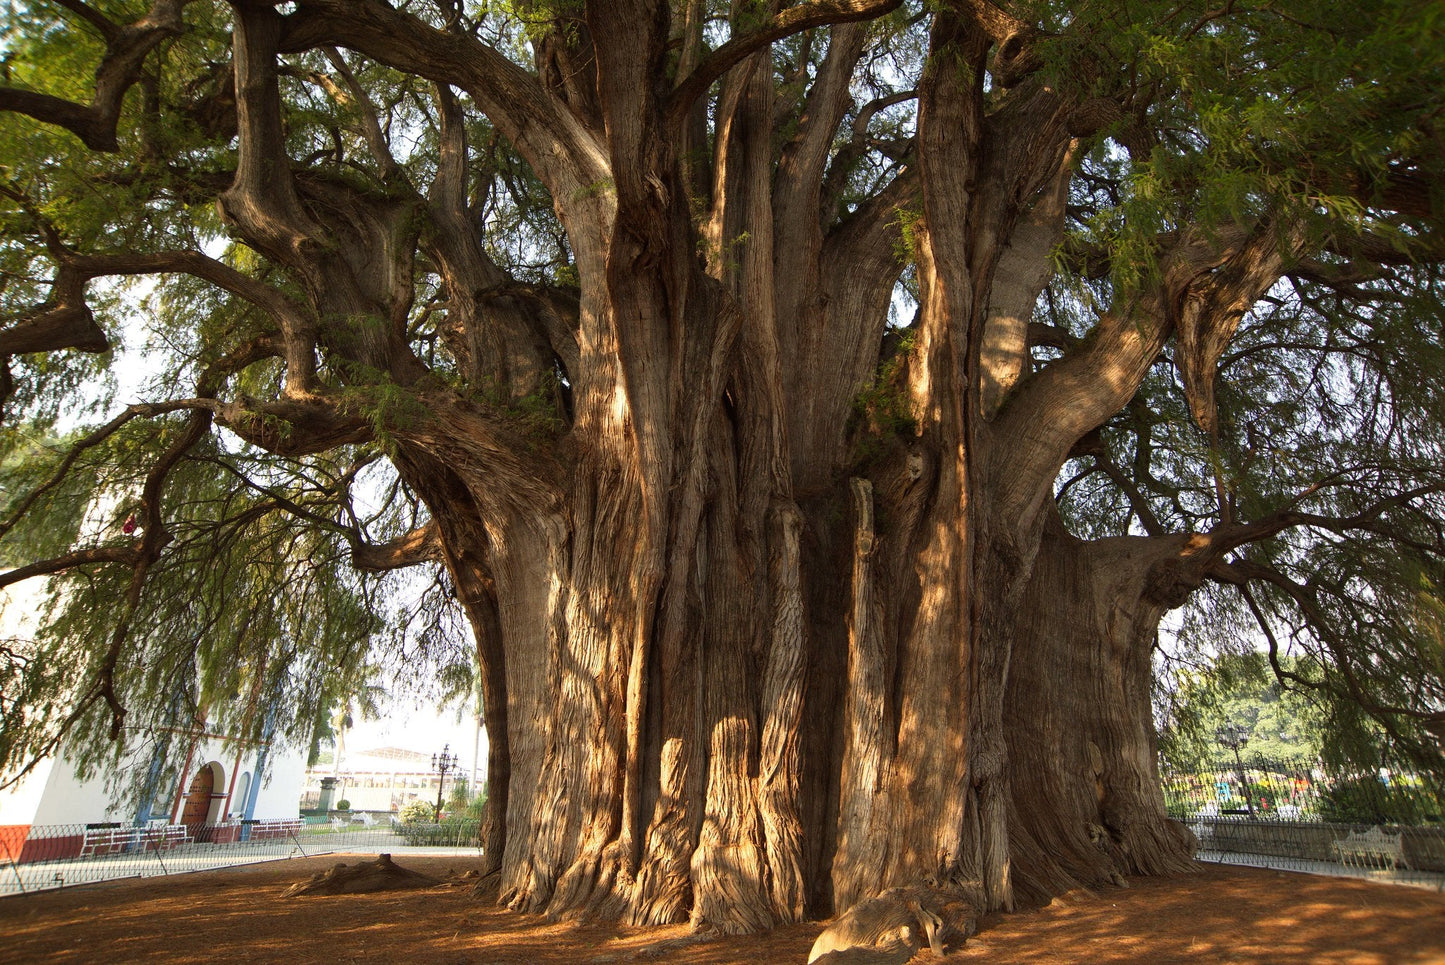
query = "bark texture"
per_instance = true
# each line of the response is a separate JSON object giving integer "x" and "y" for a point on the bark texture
{"x": 751, "y": 650}
{"x": 773, "y": 612}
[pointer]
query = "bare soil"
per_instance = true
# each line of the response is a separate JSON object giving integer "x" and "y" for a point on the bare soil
{"x": 238, "y": 915}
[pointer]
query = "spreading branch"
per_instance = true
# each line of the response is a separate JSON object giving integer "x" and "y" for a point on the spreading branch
{"x": 126, "y": 48}
{"x": 561, "y": 149}
{"x": 785, "y": 23}
{"x": 1354, "y": 690}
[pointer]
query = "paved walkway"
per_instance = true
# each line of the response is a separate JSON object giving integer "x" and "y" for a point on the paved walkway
{"x": 1434, "y": 880}
{"x": 44, "y": 875}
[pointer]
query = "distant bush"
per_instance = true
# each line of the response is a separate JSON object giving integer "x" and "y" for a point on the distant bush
{"x": 1368, "y": 800}
{"x": 343, "y": 805}
{"x": 454, "y": 831}
{"x": 418, "y": 812}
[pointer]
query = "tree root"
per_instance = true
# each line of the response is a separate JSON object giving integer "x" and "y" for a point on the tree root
{"x": 379, "y": 875}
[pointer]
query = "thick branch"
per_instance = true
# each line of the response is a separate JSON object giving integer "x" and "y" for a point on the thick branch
{"x": 419, "y": 546}
{"x": 263, "y": 200}
{"x": 793, "y": 20}
{"x": 1016, "y": 55}
{"x": 126, "y": 48}
{"x": 127, "y": 553}
{"x": 67, "y": 306}
{"x": 800, "y": 169}
{"x": 1207, "y": 285}
{"x": 294, "y": 427}
{"x": 557, "y": 145}
{"x": 498, "y": 330}
{"x": 370, "y": 125}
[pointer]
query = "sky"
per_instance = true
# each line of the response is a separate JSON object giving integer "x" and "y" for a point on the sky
{"x": 420, "y": 727}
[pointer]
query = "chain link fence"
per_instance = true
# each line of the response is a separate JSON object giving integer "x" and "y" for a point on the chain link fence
{"x": 1388, "y": 824}
{"x": 1384, "y": 824}
{"x": 61, "y": 855}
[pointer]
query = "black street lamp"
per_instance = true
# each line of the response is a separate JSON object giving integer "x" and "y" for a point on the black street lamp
{"x": 441, "y": 763}
{"x": 1235, "y": 736}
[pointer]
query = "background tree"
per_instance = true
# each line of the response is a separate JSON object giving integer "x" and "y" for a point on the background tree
{"x": 780, "y": 596}
{"x": 1280, "y": 724}
{"x": 359, "y": 693}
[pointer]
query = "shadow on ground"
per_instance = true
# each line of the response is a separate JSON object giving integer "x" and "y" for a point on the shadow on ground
{"x": 1222, "y": 914}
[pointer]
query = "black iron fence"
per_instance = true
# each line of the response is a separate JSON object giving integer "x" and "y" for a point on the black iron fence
{"x": 1307, "y": 791}
{"x": 1384, "y": 823}
{"x": 38, "y": 857}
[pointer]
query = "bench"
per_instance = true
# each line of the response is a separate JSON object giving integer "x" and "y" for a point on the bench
{"x": 105, "y": 839}
{"x": 115, "y": 839}
{"x": 273, "y": 827}
{"x": 164, "y": 837}
{"x": 1374, "y": 845}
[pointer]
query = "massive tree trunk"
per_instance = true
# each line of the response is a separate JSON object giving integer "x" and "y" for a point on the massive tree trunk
{"x": 772, "y": 602}
{"x": 1087, "y": 804}
{"x": 765, "y": 628}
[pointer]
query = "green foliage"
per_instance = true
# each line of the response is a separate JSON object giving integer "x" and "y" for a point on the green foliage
{"x": 453, "y": 832}
{"x": 461, "y": 819}
{"x": 905, "y": 248}
{"x": 417, "y": 812}
{"x": 343, "y": 805}
{"x": 1237, "y": 689}
{"x": 261, "y": 624}
{"x": 881, "y": 409}
{"x": 1372, "y": 800}
{"x": 43, "y": 509}
{"x": 459, "y": 794}
{"x": 1259, "y": 113}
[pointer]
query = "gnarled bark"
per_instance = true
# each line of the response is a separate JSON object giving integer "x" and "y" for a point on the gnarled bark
{"x": 749, "y": 651}
{"x": 1087, "y": 807}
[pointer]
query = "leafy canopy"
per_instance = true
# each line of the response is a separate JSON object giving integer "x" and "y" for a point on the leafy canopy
{"x": 1314, "y": 438}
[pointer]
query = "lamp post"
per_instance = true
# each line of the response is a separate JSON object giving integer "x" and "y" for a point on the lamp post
{"x": 1234, "y": 736}
{"x": 441, "y": 763}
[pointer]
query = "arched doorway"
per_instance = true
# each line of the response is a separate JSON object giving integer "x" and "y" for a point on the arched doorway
{"x": 202, "y": 799}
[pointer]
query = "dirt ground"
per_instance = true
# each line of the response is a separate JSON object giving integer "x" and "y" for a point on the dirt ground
{"x": 237, "y": 915}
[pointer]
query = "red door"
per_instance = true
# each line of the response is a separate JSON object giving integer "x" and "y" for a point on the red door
{"x": 198, "y": 801}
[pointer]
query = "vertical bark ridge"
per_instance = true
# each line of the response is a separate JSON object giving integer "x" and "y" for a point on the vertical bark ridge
{"x": 865, "y": 803}
{"x": 727, "y": 867}
{"x": 779, "y": 770}
{"x": 939, "y": 743}
{"x": 531, "y": 570}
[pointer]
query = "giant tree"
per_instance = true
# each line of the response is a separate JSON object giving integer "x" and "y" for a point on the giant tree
{"x": 814, "y": 408}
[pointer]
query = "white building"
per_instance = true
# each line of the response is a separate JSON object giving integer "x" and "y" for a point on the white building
{"x": 384, "y": 779}
{"x": 216, "y": 783}
{"x": 222, "y": 784}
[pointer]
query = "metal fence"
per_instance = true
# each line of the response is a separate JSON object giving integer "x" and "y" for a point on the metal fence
{"x": 1297, "y": 790}
{"x": 58, "y": 856}
{"x": 1384, "y": 823}
{"x": 1294, "y": 815}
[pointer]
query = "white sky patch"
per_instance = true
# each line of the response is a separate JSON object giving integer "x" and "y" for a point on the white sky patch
{"x": 424, "y": 728}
